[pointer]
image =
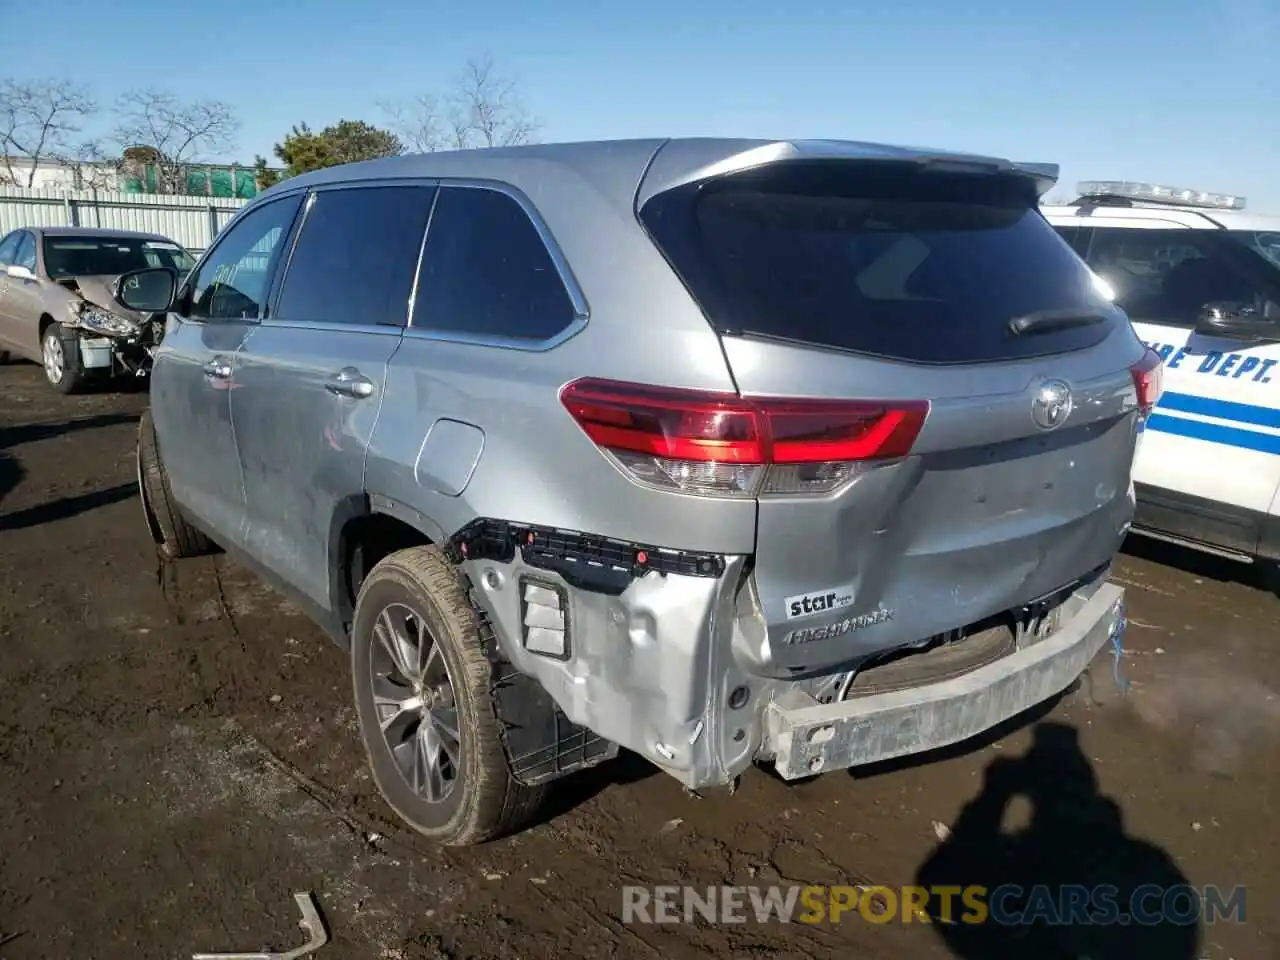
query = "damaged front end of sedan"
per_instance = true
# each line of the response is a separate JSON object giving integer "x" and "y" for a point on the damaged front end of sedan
{"x": 113, "y": 339}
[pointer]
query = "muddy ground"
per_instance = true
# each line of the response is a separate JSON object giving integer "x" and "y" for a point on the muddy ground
{"x": 178, "y": 755}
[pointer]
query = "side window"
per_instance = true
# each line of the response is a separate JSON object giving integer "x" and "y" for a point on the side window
{"x": 9, "y": 247}
{"x": 1069, "y": 234}
{"x": 355, "y": 256}
{"x": 232, "y": 283}
{"x": 1078, "y": 237}
{"x": 26, "y": 255}
{"x": 1167, "y": 276}
{"x": 486, "y": 272}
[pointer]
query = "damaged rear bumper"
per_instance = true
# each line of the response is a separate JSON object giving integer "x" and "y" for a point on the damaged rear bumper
{"x": 808, "y": 737}
{"x": 603, "y": 644}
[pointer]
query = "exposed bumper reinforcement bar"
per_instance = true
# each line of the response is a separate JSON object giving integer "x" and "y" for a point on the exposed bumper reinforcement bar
{"x": 808, "y": 737}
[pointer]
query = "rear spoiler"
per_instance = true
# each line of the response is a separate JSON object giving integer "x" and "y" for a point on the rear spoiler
{"x": 682, "y": 162}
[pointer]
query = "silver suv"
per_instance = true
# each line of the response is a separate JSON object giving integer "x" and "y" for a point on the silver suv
{"x": 802, "y": 453}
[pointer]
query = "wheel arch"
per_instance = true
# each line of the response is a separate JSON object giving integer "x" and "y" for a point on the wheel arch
{"x": 366, "y": 529}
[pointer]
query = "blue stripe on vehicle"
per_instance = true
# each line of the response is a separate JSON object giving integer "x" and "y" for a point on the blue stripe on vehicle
{"x": 1225, "y": 409}
{"x": 1215, "y": 433}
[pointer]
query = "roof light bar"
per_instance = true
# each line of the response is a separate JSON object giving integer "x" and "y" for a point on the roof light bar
{"x": 1155, "y": 193}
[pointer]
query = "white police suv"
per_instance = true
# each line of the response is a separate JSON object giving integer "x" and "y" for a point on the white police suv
{"x": 1200, "y": 279}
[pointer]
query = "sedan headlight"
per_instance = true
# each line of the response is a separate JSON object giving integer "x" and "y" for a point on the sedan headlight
{"x": 103, "y": 321}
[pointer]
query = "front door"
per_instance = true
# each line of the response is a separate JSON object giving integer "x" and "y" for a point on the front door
{"x": 24, "y": 300}
{"x": 309, "y": 379}
{"x": 8, "y": 249}
{"x": 194, "y": 375}
{"x": 1209, "y": 465}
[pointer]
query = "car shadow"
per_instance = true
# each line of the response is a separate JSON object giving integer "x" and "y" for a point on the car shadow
{"x": 29, "y": 433}
{"x": 1070, "y": 883}
{"x": 1260, "y": 576}
{"x": 11, "y": 474}
{"x": 571, "y": 792}
{"x": 66, "y": 507}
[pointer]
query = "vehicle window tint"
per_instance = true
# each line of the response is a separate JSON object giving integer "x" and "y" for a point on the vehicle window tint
{"x": 1167, "y": 276}
{"x": 881, "y": 260}
{"x": 1068, "y": 234}
{"x": 1078, "y": 237}
{"x": 232, "y": 283}
{"x": 26, "y": 255}
{"x": 1266, "y": 243}
{"x": 86, "y": 256}
{"x": 486, "y": 272}
{"x": 9, "y": 247}
{"x": 355, "y": 256}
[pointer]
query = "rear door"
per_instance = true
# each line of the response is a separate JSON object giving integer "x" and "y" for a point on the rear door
{"x": 968, "y": 464}
{"x": 310, "y": 377}
{"x": 1210, "y": 462}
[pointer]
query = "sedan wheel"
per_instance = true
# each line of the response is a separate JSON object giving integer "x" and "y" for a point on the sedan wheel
{"x": 60, "y": 357}
{"x": 55, "y": 361}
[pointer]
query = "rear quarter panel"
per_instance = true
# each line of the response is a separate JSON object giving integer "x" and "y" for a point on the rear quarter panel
{"x": 536, "y": 465}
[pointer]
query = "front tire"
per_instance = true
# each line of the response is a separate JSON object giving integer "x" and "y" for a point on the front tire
{"x": 60, "y": 357}
{"x": 422, "y": 694}
{"x": 174, "y": 536}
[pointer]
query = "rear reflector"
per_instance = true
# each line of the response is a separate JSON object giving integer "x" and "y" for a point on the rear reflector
{"x": 1148, "y": 380}
{"x": 721, "y": 444}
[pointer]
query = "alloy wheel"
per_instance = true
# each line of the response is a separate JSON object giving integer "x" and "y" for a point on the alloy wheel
{"x": 415, "y": 703}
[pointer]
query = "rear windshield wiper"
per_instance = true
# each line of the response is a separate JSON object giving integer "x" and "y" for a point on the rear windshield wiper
{"x": 1049, "y": 321}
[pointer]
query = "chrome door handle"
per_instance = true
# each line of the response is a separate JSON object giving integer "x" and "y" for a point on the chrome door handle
{"x": 350, "y": 382}
{"x": 219, "y": 368}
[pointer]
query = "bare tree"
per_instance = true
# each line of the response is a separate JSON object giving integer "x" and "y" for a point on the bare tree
{"x": 93, "y": 168}
{"x": 419, "y": 123}
{"x": 178, "y": 134}
{"x": 486, "y": 109}
{"x": 39, "y": 120}
{"x": 483, "y": 109}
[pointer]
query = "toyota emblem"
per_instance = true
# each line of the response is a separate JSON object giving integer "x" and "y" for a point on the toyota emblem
{"x": 1052, "y": 405}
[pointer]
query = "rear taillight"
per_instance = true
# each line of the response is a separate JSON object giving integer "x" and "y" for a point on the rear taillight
{"x": 1148, "y": 380}
{"x": 720, "y": 444}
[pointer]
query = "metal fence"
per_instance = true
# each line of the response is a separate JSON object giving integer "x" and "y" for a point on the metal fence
{"x": 190, "y": 221}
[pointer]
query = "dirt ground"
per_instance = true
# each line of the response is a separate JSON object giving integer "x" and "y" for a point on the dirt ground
{"x": 178, "y": 756}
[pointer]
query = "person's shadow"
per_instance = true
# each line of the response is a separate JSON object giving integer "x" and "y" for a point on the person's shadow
{"x": 1071, "y": 884}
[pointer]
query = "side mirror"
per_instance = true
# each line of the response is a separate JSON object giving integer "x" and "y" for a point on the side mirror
{"x": 1240, "y": 321}
{"x": 150, "y": 290}
{"x": 17, "y": 271}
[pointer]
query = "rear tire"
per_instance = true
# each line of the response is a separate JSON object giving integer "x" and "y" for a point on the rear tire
{"x": 174, "y": 536}
{"x": 60, "y": 357}
{"x": 422, "y": 684}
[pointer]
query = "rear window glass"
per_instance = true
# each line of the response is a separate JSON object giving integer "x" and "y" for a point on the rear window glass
{"x": 912, "y": 265}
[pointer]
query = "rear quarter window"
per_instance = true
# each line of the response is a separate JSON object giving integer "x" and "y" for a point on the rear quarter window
{"x": 881, "y": 260}
{"x": 486, "y": 273}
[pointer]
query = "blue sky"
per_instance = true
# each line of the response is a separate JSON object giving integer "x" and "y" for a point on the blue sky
{"x": 1185, "y": 92}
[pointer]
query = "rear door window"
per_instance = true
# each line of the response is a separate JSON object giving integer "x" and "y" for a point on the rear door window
{"x": 355, "y": 256}
{"x": 486, "y": 272}
{"x": 910, "y": 265}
